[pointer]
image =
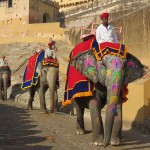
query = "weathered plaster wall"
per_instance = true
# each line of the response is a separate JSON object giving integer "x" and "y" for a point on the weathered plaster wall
{"x": 39, "y": 8}
{"x": 15, "y": 21}
{"x": 18, "y": 13}
{"x": 33, "y": 31}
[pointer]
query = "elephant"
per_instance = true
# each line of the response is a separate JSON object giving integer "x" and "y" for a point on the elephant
{"x": 5, "y": 81}
{"x": 48, "y": 79}
{"x": 111, "y": 75}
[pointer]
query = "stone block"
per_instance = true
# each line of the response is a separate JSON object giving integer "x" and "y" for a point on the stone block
{"x": 137, "y": 108}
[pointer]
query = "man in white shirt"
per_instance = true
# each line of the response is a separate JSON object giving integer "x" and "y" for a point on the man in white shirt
{"x": 105, "y": 32}
{"x": 50, "y": 51}
{"x": 3, "y": 62}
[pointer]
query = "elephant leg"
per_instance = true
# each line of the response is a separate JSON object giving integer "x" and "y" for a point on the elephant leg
{"x": 5, "y": 83}
{"x": 1, "y": 86}
{"x": 80, "y": 116}
{"x": 97, "y": 123}
{"x": 55, "y": 100}
{"x": 41, "y": 92}
{"x": 51, "y": 79}
{"x": 31, "y": 99}
{"x": 117, "y": 126}
{"x": 51, "y": 108}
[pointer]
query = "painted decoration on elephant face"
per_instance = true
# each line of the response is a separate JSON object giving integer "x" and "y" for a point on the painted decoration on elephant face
{"x": 90, "y": 67}
{"x": 101, "y": 69}
{"x": 112, "y": 103}
{"x": 115, "y": 88}
{"x": 101, "y": 72}
{"x": 130, "y": 63}
{"x": 108, "y": 73}
{"x": 130, "y": 68}
{"x": 91, "y": 70}
{"x": 116, "y": 75}
{"x": 88, "y": 62}
{"x": 116, "y": 64}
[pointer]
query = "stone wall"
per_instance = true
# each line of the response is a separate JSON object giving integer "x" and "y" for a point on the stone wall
{"x": 33, "y": 32}
{"x": 34, "y": 11}
{"x": 18, "y": 13}
{"x": 15, "y": 21}
{"x": 43, "y": 11}
{"x": 136, "y": 32}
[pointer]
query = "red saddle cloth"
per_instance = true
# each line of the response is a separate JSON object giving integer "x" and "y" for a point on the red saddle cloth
{"x": 105, "y": 48}
{"x": 51, "y": 61}
{"x": 77, "y": 85}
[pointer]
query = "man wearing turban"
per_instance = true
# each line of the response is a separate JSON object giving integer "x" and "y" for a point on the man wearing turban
{"x": 105, "y": 32}
{"x": 50, "y": 51}
{"x": 3, "y": 62}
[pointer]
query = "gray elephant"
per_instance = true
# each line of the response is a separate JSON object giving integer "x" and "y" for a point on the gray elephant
{"x": 110, "y": 74}
{"x": 5, "y": 81}
{"x": 48, "y": 79}
{"x": 40, "y": 75}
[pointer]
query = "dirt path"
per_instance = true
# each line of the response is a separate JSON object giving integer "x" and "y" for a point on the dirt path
{"x": 29, "y": 130}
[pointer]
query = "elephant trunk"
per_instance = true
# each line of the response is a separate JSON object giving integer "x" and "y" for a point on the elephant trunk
{"x": 108, "y": 127}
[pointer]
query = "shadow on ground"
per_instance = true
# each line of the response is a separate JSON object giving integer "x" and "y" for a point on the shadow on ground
{"x": 69, "y": 109}
{"x": 16, "y": 90}
{"x": 18, "y": 131}
{"x": 133, "y": 140}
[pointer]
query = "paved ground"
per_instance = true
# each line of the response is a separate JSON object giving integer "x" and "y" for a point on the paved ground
{"x": 30, "y": 130}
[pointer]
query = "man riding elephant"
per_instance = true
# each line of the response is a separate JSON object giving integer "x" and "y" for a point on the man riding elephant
{"x": 5, "y": 78}
{"x": 107, "y": 64}
{"x": 41, "y": 74}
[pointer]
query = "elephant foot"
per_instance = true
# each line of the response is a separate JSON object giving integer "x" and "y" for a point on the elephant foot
{"x": 55, "y": 110}
{"x": 51, "y": 111}
{"x": 30, "y": 105}
{"x": 97, "y": 141}
{"x": 29, "y": 108}
{"x": 80, "y": 131}
{"x": 5, "y": 99}
{"x": 115, "y": 143}
{"x": 43, "y": 112}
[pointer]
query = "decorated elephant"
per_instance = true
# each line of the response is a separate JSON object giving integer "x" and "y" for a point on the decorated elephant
{"x": 46, "y": 76}
{"x": 5, "y": 81}
{"x": 108, "y": 71}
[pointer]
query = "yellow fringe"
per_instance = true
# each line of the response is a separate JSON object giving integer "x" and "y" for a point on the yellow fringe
{"x": 67, "y": 59}
{"x": 83, "y": 94}
{"x": 46, "y": 63}
{"x": 65, "y": 79}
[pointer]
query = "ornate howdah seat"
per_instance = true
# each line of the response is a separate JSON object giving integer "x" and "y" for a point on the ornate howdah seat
{"x": 51, "y": 62}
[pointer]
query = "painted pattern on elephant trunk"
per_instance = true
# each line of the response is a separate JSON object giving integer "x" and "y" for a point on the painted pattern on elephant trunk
{"x": 111, "y": 76}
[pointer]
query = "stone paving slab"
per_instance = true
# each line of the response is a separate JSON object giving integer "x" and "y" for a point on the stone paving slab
{"x": 21, "y": 129}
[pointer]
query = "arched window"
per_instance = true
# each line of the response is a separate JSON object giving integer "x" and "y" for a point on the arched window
{"x": 9, "y": 3}
{"x": 46, "y": 18}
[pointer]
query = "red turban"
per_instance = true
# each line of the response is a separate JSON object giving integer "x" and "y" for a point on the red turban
{"x": 50, "y": 44}
{"x": 4, "y": 57}
{"x": 104, "y": 15}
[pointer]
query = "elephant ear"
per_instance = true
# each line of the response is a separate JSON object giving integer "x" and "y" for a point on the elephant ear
{"x": 85, "y": 63}
{"x": 134, "y": 69}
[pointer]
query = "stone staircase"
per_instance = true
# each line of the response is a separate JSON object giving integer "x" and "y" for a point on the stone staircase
{"x": 83, "y": 15}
